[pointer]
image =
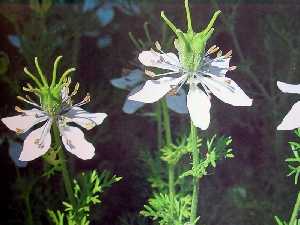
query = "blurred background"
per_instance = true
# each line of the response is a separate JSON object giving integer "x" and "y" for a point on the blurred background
{"x": 93, "y": 36}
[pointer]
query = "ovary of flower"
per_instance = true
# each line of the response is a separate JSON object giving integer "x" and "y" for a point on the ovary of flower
{"x": 38, "y": 141}
{"x": 292, "y": 119}
{"x": 210, "y": 75}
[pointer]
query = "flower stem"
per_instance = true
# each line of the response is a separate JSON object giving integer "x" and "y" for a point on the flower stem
{"x": 195, "y": 155}
{"x": 168, "y": 137}
{"x": 159, "y": 124}
{"x": 295, "y": 211}
{"x": 65, "y": 172}
{"x": 29, "y": 218}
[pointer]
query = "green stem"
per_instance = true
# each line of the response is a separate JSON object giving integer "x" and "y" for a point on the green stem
{"x": 166, "y": 122}
{"x": 195, "y": 155}
{"x": 168, "y": 137}
{"x": 65, "y": 172}
{"x": 159, "y": 124}
{"x": 29, "y": 218}
{"x": 295, "y": 211}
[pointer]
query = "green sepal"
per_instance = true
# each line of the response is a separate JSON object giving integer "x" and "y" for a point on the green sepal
{"x": 191, "y": 45}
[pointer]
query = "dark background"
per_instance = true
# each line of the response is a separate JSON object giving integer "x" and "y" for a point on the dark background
{"x": 250, "y": 189}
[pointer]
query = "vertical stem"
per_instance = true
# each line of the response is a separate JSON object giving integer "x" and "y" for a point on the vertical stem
{"x": 65, "y": 172}
{"x": 29, "y": 218}
{"x": 295, "y": 211}
{"x": 195, "y": 155}
{"x": 159, "y": 124}
{"x": 168, "y": 137}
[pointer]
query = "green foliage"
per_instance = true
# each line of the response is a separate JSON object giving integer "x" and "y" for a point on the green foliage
{"x": 87, "y": 190}
{"x": 294, "y": 161}
{"x": 168, "y": 210}
{"x": 53, "y": 164}
{"x": 217, "y": 148}
{"x": 282, "y": 222}
{"x": 173, "y": 153}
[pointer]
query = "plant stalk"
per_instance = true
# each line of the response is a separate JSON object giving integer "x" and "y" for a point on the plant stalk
{"x": 66, "y": 176}
{"x": 195, "y": 155}
{"x": 295, "y": 211}
{"x": 168, "y": 142}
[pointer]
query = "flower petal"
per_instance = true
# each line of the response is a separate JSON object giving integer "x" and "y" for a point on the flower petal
{"x": 177, "y": 103}
{"x": 74, "y": 141}
{"x": 83, "y": 118}
{"x": 153, "y": 90}
{"x": 216, "y": 67}
{"x": 288, "y": 88}
{"x": 130, "y": 81}
{"x": 132, "y": 106}
{"x": 167, "y": 61}
{"x": 199, "y": 105}
{"x": 292, "y": 119}
{"x": 36, "y": 143}
{"x": 25, "y": 121}
{"x": 227, "y": 90}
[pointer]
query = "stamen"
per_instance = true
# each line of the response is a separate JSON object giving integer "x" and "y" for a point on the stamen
{"x": 228, "y": 54}
{"x": 86, "y": 100}
{"x": 157, "y": 45}
{"x": 150, "y": 73}
{"x": 219, "y": 54}
{"x": 212, "y": 50}
{"x": 29, "y": 102}
{"x": 232, "y": 68}
{"x": 76, "y": 88}
{"x": 89, "y": 125}
{"x": 18, "y": 109}
{"x": 19, "y": 131}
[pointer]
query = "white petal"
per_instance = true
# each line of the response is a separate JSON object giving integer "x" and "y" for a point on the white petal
{"x": 227, "y": 90}
{"x": 74, "y": 141}
{"x": 177, "y": 103}
{"x": 14, "y": 151}
{"x": 83, "y": 118}
{"x": 132, "y": 106}
{"x": 289, "y": 88}
{"x": 36, "y": 143}
{"x": 167, "y": 61}
{"x": 153, "y": 90}
{"x": 25, "y": 121}
{"x": 129, "y": 81}
{"x": 217, "y": 67}
{"x": 292, "y": 119}
{"x": 199, "y": 105}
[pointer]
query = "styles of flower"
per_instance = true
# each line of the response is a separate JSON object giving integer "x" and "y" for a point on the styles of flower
{"x": 55, "y": 108}
{"x": 292, "y": 119}
{"x": 134, "y": 81}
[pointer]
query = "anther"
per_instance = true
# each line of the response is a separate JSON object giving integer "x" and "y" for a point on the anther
{"x": 18, "y": 109}
{"x": 19, "y": 131}
{"x": 232, "y": 68}
{"x": 157, "y": 45}
{"x": 150, "y": 73}
{"x": 228, "y": 54}
{"x": 212, "y": 49}
{"x": 87, "y": 98}
{"x": 219, "y": 54}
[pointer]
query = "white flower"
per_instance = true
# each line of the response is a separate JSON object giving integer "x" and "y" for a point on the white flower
{"x": 134, "y": 81}
{"x": 292, "y": 119}
{"x": 210, "y": 75}
{"x": 38, "y": 141}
